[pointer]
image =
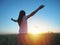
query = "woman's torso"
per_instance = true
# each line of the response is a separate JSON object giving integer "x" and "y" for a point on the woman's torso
{"x": 23, "y": 25}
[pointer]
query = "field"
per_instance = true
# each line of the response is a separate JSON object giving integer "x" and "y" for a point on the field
{"x": 29, "y": 39}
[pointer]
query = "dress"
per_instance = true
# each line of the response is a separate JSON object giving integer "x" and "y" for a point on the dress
{"x": 23, "y": 26}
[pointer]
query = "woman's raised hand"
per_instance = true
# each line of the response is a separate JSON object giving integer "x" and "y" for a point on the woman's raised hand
{"x": 41, "y": 6}
{"x": 11, "y": 18}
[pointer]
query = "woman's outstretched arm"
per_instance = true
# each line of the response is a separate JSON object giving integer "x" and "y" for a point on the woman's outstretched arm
{"x": 14, "y": 20}
{"x": 40, "y": 7}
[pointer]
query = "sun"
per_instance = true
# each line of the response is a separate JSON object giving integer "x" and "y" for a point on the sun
{"x": 37, "y": 29}
{"x": 34, "y": 32}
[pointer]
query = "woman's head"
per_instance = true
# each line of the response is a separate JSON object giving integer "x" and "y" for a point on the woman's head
{"x": 22, "y": 12}
{"x": 21, "y": 15}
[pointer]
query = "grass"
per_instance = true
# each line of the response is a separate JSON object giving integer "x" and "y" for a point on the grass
{"x": 29, "y": 39}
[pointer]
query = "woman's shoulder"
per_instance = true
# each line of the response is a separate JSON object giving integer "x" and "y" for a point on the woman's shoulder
{"x": 25, "y": 17}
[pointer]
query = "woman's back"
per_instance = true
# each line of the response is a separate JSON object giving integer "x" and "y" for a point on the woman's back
{"x": 23, "y": 25}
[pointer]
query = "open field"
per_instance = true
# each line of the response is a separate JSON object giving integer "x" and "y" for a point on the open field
{"x": 29, "y": 39}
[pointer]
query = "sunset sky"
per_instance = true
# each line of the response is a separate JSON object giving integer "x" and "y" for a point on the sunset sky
{"x": 45, "y": 20}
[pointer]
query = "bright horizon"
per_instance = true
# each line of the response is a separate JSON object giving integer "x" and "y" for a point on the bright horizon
{"x": 45, "y": 20}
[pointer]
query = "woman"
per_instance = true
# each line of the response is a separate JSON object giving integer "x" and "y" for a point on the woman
{"x": 22, "y": 22}
{"x": 22, "y": 19}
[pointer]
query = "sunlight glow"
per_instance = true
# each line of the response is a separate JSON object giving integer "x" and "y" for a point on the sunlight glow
{"x": 38, "y": 28}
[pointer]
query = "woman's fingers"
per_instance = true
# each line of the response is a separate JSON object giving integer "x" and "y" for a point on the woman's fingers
{"x": 40, "y": 7}
{"x": 11, "y": 18}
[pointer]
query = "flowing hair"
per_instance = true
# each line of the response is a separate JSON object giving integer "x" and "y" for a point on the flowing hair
{"x": 21, "y": 15}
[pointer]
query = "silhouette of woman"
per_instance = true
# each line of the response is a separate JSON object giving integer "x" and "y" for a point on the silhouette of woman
{"x": 22, "y": 22}
{"x": 22, "y": 19}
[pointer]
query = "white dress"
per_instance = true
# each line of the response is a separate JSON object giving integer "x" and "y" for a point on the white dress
{"x": 23, "y": 26}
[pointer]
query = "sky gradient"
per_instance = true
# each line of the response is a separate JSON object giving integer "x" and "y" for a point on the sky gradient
{"x": 46, "y": 19}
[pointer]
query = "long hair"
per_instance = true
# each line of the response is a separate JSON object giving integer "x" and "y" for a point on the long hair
{"x": 21, "y": 15}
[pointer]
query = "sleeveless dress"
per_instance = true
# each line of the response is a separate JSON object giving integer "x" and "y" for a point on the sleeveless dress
{"x": 23, "y": 26}
{"x": 22, "y": 36}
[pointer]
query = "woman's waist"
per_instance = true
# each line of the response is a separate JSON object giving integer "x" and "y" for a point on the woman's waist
{"x": 23, "y": 30}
